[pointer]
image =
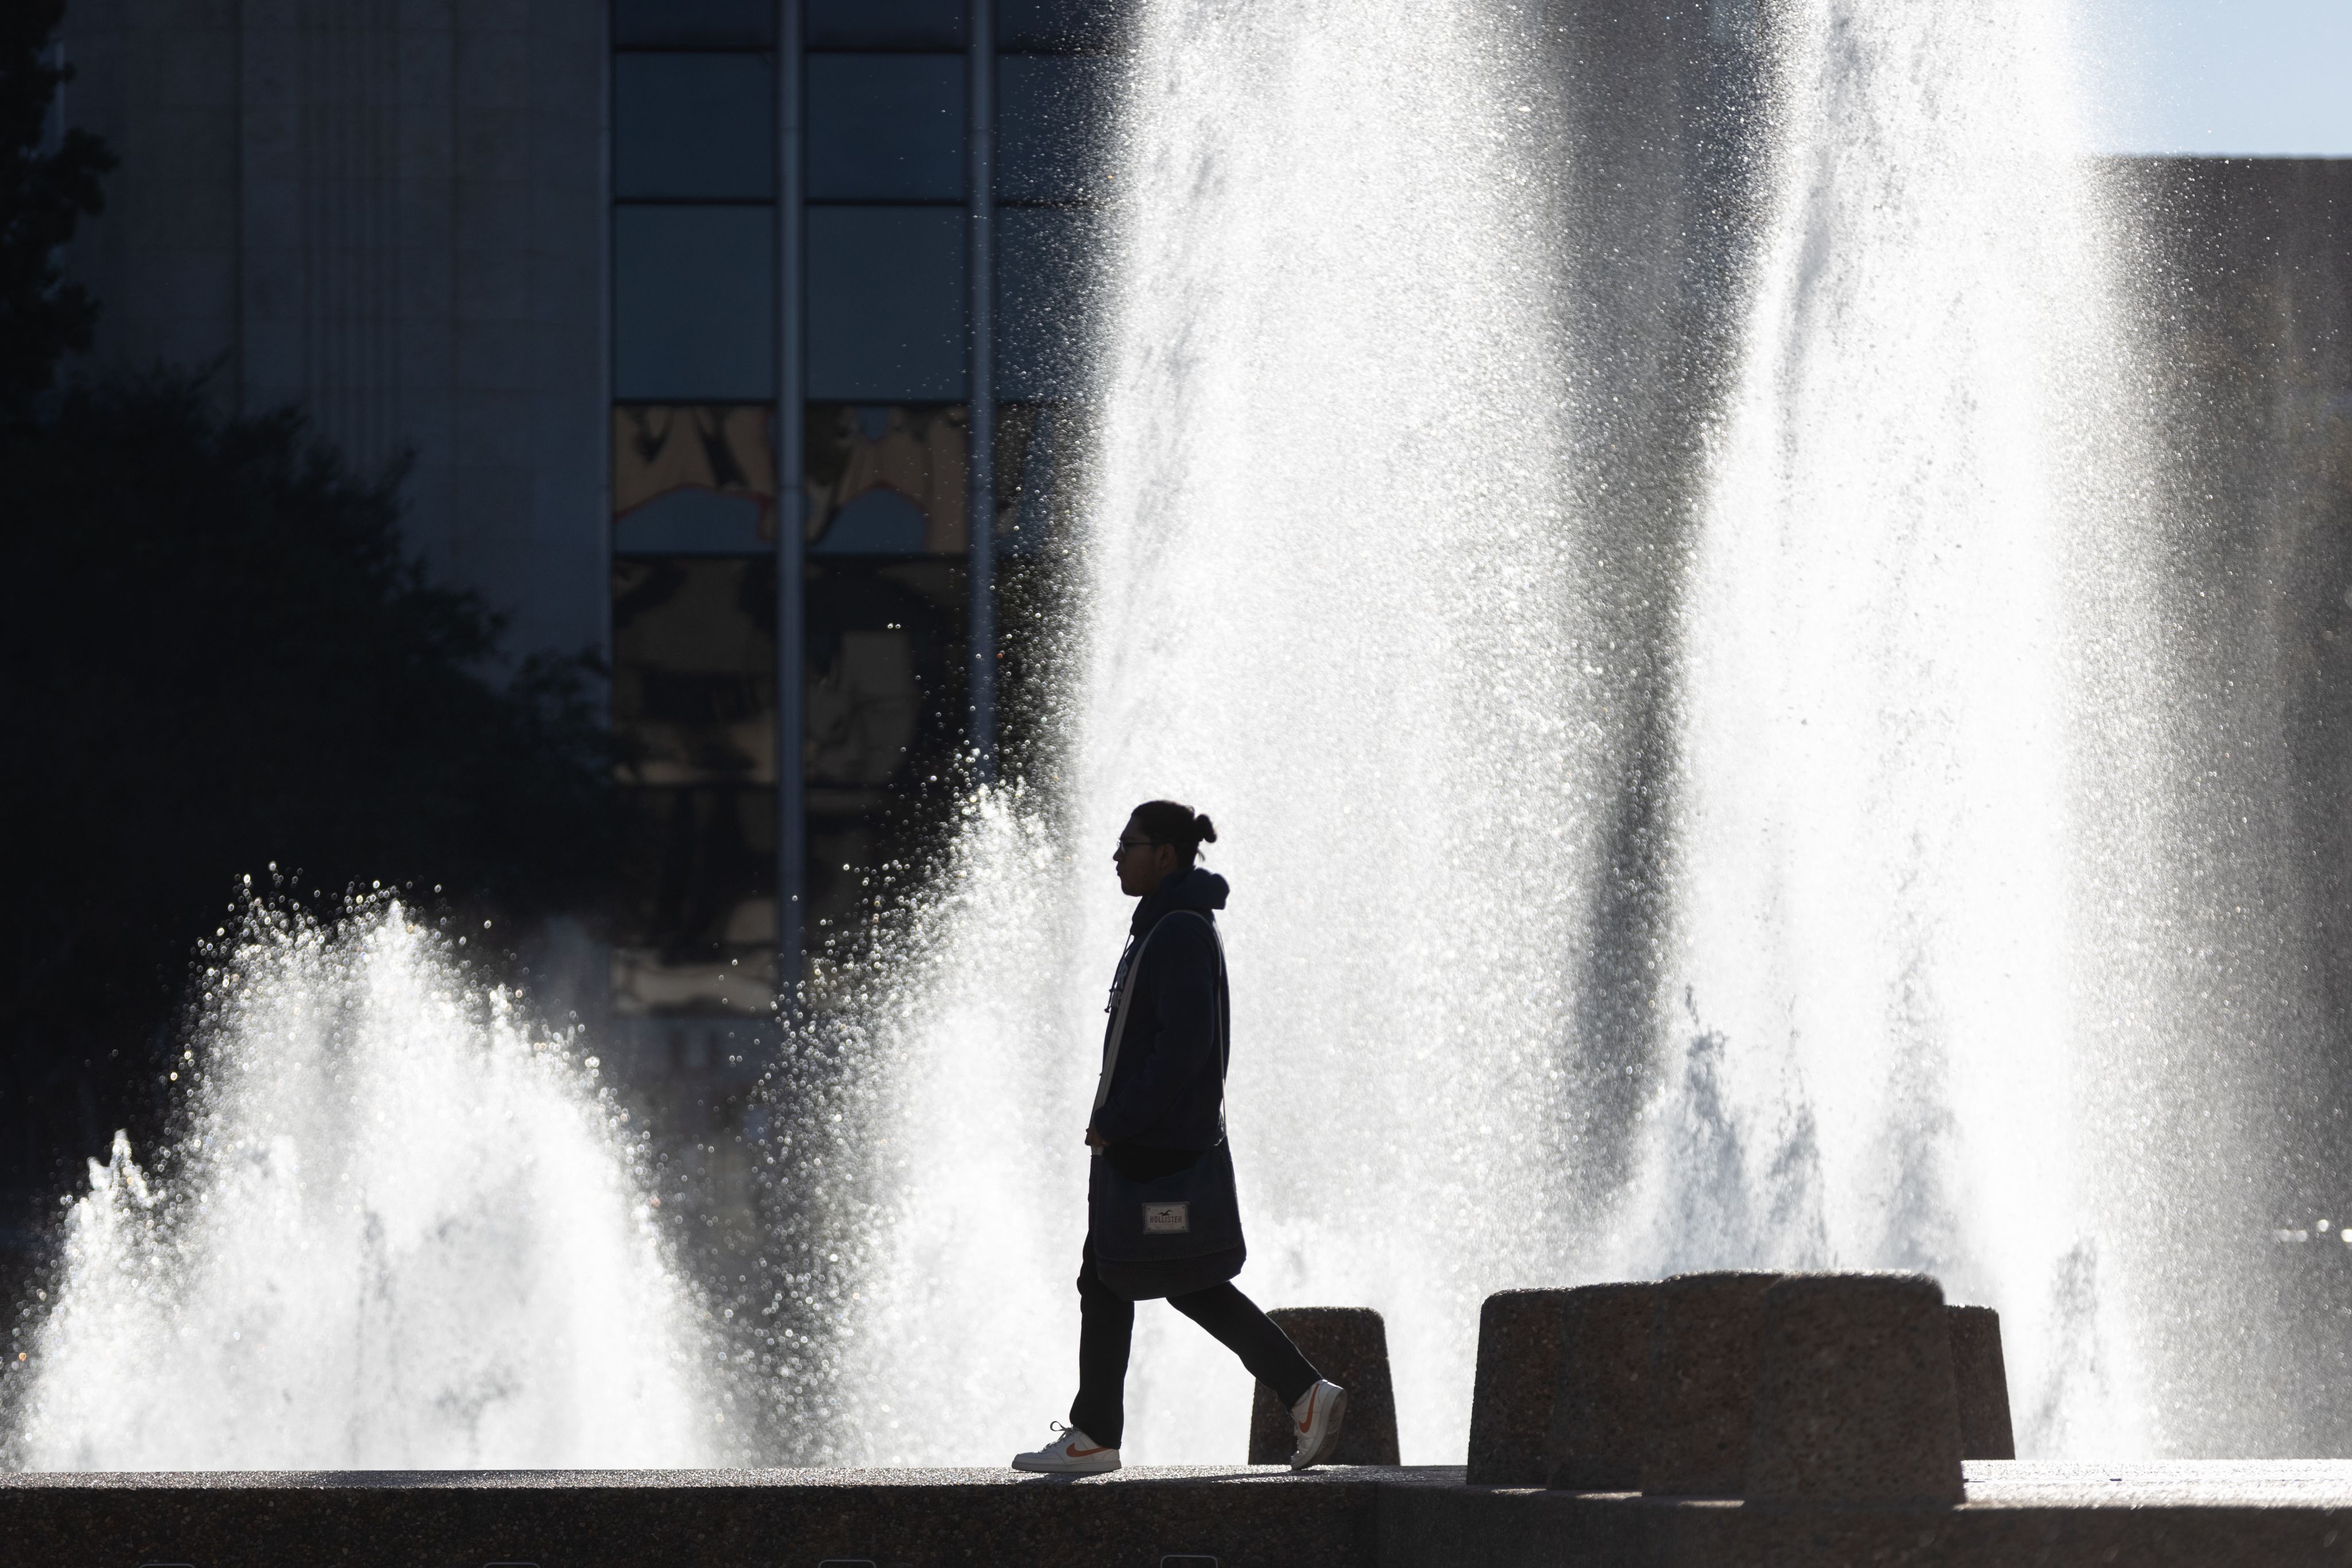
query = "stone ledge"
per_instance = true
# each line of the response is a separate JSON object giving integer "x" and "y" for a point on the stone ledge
{"x": 1446, "y": 1527}
{"x": 728, "y": 1518}
{"x": 2221, "y": 1515}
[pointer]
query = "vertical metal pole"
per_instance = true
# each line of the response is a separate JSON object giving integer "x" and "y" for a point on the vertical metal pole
{"x": 981, "y": 507}
{"x": 791, "y": 497}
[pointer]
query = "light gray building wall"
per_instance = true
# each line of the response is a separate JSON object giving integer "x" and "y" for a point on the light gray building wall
{"x": 390, "y": 214}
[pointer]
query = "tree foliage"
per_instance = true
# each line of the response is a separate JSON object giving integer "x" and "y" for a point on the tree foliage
{"x": 44, "y": 191}
{"x": 220, "y": 659}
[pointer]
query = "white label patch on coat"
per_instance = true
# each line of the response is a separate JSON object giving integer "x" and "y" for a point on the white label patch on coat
{"x": 1167, "y": 1218}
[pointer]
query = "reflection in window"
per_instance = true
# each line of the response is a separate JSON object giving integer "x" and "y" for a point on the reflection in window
{"x": 885, "y": 706}
{"x": 1036, "y": 454}
{"x": 886, "y": 480}
{"x": 862, "y": 709}
{"x": 846, "y": 856}
{"x": 885, "y": 304}
{"x": 886, "y": 127}
{"x": 694, "y": 660}
{"x": 692, "y": 125}
{"x": 692, "y": 479}
{"x": 885, "y": 679}
{"x": 694, "y": 302}
{"x": 694, "y": 709}
{"x": 698, "y": 927}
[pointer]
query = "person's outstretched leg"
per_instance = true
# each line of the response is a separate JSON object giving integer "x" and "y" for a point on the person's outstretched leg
{"x": 1249, "y": 1334}
{"x": 1105, "y": 1327}
{"x": 1089, "y": 1444}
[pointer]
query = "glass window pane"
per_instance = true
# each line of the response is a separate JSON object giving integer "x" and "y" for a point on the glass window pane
{"x": 694, "y": 669}
{"x": 1042, "y": 260}
{"x": 885, "y": 681}
{"x": 694, "y": 704}
{"x": 1058, "y": 25}
{"x": 694, "y": 303}
{"x": 1038, "y": 447}
{"x": 885, "y": 720}
{"x": 693, "y": 480}
{"x": 691, "y": 23}
{"x": 694, "y": 126}
{"x": 886, "y": 127}
{"x": 1050, "y": 114}
{"x": 698, "y": 917}
{"x": 887, "y": 317}
{"x": 886, "y": 480}
{"x": 898, "y": 25}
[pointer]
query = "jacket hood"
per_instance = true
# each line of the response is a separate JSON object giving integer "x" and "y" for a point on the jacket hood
{"x": 1195, "y": 888}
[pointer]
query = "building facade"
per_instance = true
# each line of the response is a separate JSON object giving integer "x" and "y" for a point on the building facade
{"x": 716, "y": 332}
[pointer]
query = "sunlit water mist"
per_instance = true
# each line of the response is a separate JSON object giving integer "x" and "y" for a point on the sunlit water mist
{"x": 1909, "y": 713}
{"x": 1328, "y": 573}
{"x": 401, "y": 1231}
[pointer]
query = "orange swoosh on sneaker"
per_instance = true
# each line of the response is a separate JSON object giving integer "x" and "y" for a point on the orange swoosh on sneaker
{"x": 1312, "y": 1395}
{"x": 1089, "y": 1453}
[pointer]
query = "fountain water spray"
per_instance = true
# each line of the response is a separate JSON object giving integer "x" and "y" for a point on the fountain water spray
{"x": 1930, "y": 838}
{"x": 1938, "y": 942}
{"x": 1330, "y": 573}
{"x": 401, "y": 1230}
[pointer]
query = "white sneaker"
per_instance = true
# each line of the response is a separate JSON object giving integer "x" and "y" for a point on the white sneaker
{"x": 1071, "y": 1452}
{"x": 1316, "y": 1418}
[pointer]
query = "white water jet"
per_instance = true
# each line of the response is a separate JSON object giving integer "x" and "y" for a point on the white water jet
{"x": 1329, "y": 575}
{"x": 402, "y": 1232}
{"x": 1915, "y": 706}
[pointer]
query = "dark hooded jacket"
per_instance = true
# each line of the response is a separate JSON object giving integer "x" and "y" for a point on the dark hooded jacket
{"x": 1168, "y": 1089}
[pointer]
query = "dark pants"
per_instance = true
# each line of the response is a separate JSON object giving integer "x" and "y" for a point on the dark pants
{"x": 1107, "y": 1325}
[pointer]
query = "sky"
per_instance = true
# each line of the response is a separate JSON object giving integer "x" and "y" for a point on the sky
{"x": 2269, "y": 77}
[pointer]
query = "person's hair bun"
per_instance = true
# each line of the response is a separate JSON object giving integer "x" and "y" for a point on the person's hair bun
{"x": 1172, "y": 822}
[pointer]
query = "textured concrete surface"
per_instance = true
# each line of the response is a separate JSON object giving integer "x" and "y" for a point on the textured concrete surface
{"x": 1854, "y": 1393}
{"x": 747, "y": 1519}
{"x": 1512, "y": 1394}
{"x": 2222, "y": 1515}
{"x": 1601, "y": 1409}
{"x": 1980, "y": 1379}
{"x": 2015, "y": 1516}
{"x": 1349, "y": 1345}
{"x": 1704, "y": 1343}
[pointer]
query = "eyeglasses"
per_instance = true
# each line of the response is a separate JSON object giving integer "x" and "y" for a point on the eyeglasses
{"x": 1127, "y": 844}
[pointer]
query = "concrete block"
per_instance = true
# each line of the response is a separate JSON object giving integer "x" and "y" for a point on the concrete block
{"x": 1600, "y": 1412}
{"x": 272, "y": 362}
{"x": 1705, "y": 1338}
{"x": 489, "y": 212}
{"x": 493, "y": 356}
{"x": 493, "y": 498}
{"x": 493, "y": 284}
{"x": 1980, "y": 1379}
{"x": 1511, "y": 1397}
{"x": 494, "y": 143}
{"x": 496, "y": 433}
{"x": 1854, "y": 1401}
{"x": 1349, "y": 1345}
{"x": 493, "y": 62}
